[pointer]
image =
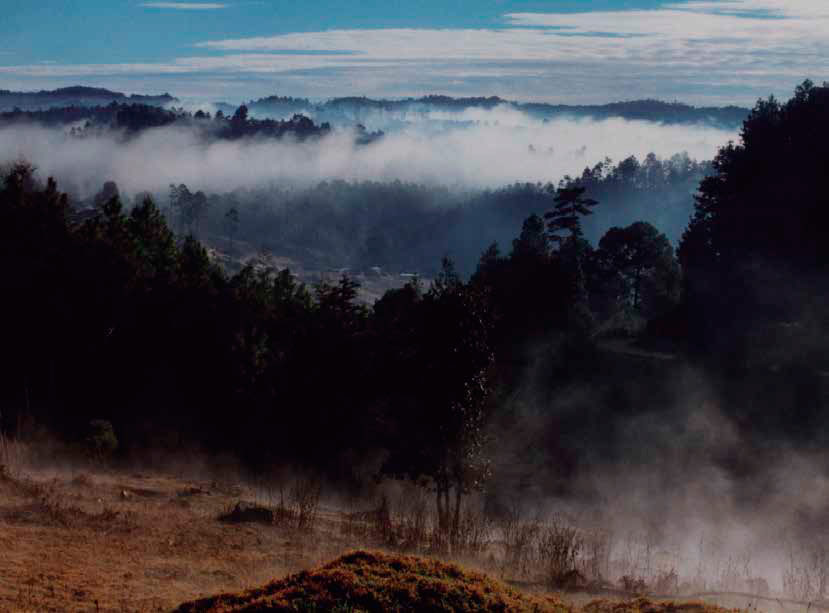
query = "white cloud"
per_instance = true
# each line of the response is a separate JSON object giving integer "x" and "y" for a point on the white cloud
{"x": 477, "y": 148}
{"x": 185, "y": 6}
{"x": 700, "y": 50}
{"x": 697, "y": 33}
{"x": 780, "y": 8}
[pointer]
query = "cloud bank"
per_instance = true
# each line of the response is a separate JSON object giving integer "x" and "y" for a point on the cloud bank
{"x": 473, "y": 149}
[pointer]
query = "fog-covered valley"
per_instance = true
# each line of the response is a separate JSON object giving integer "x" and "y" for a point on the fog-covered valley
{"x": 472, "y": 329}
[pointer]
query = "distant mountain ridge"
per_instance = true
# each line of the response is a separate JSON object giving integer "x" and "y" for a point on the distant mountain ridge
{"x": 357, "y": 108}
{"x": 76, "y": 95}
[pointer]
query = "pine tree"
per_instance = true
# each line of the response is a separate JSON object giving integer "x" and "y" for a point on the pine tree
{"x": 564, "y": 220}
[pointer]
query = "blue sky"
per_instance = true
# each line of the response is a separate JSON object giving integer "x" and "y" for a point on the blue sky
{"x": 703, "y": 51}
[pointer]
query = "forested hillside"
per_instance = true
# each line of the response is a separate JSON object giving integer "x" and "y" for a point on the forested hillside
{"x": 120, "y": 302}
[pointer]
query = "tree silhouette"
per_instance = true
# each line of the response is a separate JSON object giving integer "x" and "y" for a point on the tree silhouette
{"x": 569, "y": 205}
{"x": 643, "y": 259}
{"x": 757, "y": 237}
{"x": 440, "y": 433}
{"x": 533, "y": 240}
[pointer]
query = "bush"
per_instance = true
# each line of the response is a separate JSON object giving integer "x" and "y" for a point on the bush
{"x": 101, "y": 441}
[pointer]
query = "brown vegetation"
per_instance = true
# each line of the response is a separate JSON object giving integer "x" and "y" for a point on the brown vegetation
{"x": 93, "y": 538}
{"x": 373, "y": 581}
{"x": 377, "y": 582}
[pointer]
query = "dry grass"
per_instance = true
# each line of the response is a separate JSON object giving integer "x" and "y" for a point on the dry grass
{"x": 378, "y": 582}
{"x": 375, "y": 582}
{"x": 101, "y": 540}
{"x": 645, "y": 605}
{"x": 12, "y": 456}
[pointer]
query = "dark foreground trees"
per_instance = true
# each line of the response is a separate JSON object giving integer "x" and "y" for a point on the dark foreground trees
{"x": 114, "y": 318}
{"x": 638, "y": 263}
{"x": 437, "y": 374}
{"x": 755, "y": 254}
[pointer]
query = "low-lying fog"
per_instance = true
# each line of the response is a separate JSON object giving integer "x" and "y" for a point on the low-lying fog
{"x": 476, "y": 148}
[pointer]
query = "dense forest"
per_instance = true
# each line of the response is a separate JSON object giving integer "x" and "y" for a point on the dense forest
{"x": 133, "y": 118}
{"x": 402, "y": 227}
{"x": 363, "y": 109}
{"x": 350, "y": 110}
{"x": 122, "y": 316}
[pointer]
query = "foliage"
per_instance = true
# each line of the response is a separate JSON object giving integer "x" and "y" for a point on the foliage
{"x": 638, "y": 262}
{"x": 757, "y": 235}
{"x": 440, "y": 416}
{"x": 569, "y": 205}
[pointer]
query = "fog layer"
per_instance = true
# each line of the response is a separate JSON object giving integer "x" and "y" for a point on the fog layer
{"x": 476, "y": 148}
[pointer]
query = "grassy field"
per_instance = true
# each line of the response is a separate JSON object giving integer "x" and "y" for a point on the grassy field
{"x": 136, "y": 542}
{"x": 106, "y": 540}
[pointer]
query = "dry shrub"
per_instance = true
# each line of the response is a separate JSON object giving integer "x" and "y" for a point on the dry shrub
{"x": 597, "y": 549}
{"x": 474, "y": 533}
{"x": 806, "y": 573}
{"x": 305, "y": 499}
{"x": 518, "y": 538}
{"x": 559, "y": 547}
{"x": 414, "y": 522}
{"x": 382, "y": 522}
{"x": 666, "y": 583}
{"x": 357, "y": 525}
{"x": 245, "y": 512}
{"x": 299, "y": 509}
{"x": 13, "y": 454}
{"x": 633, "y": 585}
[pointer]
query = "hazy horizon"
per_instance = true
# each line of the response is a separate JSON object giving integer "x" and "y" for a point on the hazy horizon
{"x": 700, "y": 52}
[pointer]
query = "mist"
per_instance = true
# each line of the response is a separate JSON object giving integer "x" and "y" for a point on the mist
{"x": 472, "y": 149}
{"x": 655, "y": 454}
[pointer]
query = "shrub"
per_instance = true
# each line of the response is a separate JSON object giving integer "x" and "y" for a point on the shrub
{"x": 101, "y": 441}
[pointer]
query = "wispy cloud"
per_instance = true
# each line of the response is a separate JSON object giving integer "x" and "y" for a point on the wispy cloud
{"x": 185, "y": 6}
{"x": 692, "y": 50}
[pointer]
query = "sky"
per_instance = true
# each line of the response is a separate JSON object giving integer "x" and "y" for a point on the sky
{"x": 564, "y": 51}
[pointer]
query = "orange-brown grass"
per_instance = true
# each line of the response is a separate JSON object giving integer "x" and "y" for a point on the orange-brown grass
{"x": 113, "y": 541}
{"x": 645, "y": 605}
{"x": 108, "y": 541}
{"x": 377, "y": 582}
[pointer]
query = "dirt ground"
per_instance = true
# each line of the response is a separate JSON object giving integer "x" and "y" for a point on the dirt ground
{"x": 137, "y": 542}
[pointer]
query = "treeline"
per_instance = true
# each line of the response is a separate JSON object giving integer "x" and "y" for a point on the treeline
{"x": 116, "y": 318}
{"x": 135, "y": 118}
{"x": 347, "y": 108}
{"x": 350, "y": 108}
{"x": 403, "y": 227}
